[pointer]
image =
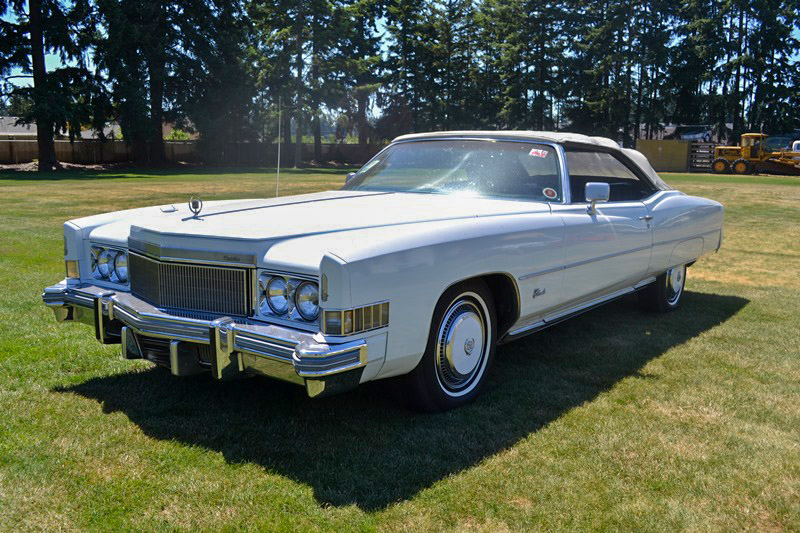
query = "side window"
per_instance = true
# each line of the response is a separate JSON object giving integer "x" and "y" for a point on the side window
{"x": 586, "y": 165}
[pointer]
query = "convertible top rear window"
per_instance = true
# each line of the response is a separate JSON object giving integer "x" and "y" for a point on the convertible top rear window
{"x": 475, "y": 167}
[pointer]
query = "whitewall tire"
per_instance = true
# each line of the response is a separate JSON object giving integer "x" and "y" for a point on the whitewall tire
{"x": 666, "y": 292}
{"x": 460, "y": 349}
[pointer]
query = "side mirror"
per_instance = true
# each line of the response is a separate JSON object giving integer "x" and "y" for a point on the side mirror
{"x": 350, "y": 175}
{"x": 596, "y": 192}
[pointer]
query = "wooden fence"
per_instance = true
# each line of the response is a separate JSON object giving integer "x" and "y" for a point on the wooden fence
{"x": 90, "y": 151}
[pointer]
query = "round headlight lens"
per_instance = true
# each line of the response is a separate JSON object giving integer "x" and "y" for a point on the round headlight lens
{"x": 121, "y": 266}
{"x": 263, "y": 306}
{"x": 277, "y": 296}
{"x": 96, "y": 262}
{"x": 105, "y": 263}
{"x": 306, "y": 299}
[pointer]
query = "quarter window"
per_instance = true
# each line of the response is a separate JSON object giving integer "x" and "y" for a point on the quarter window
{"x": 591, "y": 166}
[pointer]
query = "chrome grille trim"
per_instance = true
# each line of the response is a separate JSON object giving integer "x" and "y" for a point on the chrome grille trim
{"x": 194, "y": 287}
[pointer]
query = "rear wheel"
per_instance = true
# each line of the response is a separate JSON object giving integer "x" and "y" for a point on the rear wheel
{"x": 460, "y": 349}
{"x": 666, "y": 292}
{"x": 721, "y": 166}
{"x": 742, "y": 166}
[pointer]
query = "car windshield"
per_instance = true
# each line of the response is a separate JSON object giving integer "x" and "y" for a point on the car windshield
{"x": 479, "y": 167}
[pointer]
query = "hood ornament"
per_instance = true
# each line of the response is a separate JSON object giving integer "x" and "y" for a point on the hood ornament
{"x": 195, "y": 206}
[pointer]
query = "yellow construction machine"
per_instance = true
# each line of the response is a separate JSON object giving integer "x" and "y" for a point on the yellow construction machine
{"x": 752, "y": 157}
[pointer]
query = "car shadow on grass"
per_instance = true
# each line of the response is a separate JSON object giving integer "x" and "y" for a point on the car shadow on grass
{"x": 363, "y": 447}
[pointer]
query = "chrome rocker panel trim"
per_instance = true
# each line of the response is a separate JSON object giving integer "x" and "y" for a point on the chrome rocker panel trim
{"x": 237, "y": 346}
{"x": 565, "y": 314}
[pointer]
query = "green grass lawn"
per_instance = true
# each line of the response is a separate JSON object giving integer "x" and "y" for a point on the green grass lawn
{"x": 614, "y": 420}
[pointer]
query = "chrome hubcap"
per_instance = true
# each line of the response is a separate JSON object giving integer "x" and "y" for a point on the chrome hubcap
{"x": 461, "y": 345}
{"x": 675, "y": 279}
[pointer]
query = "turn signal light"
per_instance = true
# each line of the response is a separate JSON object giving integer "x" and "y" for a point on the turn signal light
{"x": 357, "y": 320}
{"x": 72, "y": 269}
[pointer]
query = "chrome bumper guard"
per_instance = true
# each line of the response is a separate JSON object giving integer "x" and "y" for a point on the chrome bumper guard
{"x": 236, "y": 346}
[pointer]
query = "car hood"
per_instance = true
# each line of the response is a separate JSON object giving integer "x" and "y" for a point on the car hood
{"x": 313, "y": 214}
{"x": 294, "y": 233}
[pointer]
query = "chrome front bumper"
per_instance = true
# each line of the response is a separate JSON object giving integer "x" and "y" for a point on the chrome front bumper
{"x": 234, "y": 346}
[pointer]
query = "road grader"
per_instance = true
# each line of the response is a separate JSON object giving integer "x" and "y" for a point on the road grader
{"x": 752, "y": 157}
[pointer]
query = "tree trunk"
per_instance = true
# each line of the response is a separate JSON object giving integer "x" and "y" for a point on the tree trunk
{"x": 44, "y": 126}
{"x": 317, "y": 138}
{"x": 298, "y": 143}
{"x": 737, "y": 98}
{"x": 316, "y": 87}
{"x": 156, "y": 140}
{"x": 286, "y": 128}
{"x": 361, "y": 116}
{"x": 638, "y": 118}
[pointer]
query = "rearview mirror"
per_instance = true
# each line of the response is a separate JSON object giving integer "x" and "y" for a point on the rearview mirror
{"x": 350, "y": 175}
{"x": 596, "y": 192}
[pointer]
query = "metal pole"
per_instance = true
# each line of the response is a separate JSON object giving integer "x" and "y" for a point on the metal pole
{"x": 278, "y": 170}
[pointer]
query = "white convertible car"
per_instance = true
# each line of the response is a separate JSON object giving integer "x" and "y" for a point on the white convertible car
{"x": 441, "y": 247}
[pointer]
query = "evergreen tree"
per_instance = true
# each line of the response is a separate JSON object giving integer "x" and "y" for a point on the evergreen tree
{"x": 220, "y": 102}
{"x": 360, "y": 65}
{"x": 33, "y": 29}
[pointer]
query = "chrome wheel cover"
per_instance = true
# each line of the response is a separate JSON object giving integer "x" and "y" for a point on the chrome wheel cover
{"x": 676, "y": 277}
{"x": 462, "y": 345}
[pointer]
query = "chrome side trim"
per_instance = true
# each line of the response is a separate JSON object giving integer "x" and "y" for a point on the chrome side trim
{"x": 644, "y": 282}
{"x": 541, "y": 273}
{"x": 580, "y": 308}
{"x": 524, "y": 330}
{"x": 688, "y": 238}
{"x": 607, "y": 256}
{"x": 565, "y": 314}
{"x": 583, "y": 262}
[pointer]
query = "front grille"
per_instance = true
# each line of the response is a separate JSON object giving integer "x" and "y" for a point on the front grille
{"x": 209, "y": 289}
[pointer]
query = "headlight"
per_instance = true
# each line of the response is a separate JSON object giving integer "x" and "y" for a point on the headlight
{"x": 288, "y": 297}
{"x": 109, "y": 264}
{"x": 277, "y": 296}
{"x": 121, "y": 266}
{"x": 96, "y": 262}
{"x": 306, "y": 299}
{"x": 105, "y": 263}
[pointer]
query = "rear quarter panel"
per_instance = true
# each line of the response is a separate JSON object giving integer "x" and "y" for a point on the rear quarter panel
{"x": 684, "y": 228}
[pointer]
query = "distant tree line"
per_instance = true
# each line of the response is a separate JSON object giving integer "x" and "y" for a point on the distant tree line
{"x": 380, "y": 68}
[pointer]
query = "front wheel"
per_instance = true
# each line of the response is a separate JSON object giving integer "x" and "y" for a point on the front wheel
{"x": 665, "y": 293}
{"x": 460, "y": 349}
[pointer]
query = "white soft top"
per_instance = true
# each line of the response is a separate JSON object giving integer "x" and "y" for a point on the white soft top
{"x": 559, "y": 137}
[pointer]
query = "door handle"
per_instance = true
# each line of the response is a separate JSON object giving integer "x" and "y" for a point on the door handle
{"x": 646, "y": 218}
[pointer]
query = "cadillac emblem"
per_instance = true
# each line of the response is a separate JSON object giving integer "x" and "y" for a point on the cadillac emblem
{"x": 195, "y": 205}
{"x": 469, "y": 345}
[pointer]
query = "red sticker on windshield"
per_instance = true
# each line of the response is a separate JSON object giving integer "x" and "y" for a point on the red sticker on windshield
{"x": 538, "y": 152}
{"x": 550, "y": 193}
